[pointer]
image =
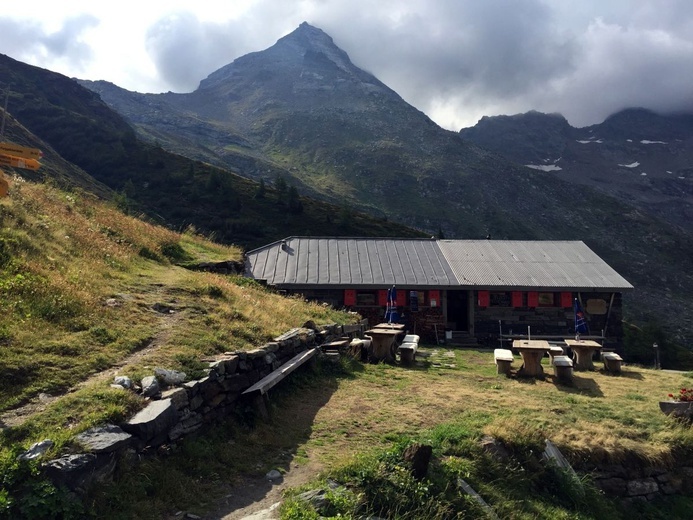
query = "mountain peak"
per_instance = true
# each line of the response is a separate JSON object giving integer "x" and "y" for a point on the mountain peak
{"x": 307, "y": 39}
{"x": 306, "y": 50}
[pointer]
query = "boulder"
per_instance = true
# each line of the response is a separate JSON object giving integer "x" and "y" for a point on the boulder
{"x": 150, "y": 386}
{"x": 78, "y": 472}
{"x": 123, "y": 381}
{"x": 36, "y": 450}
{"x": 169, "y": 377}
{"x": 157, "y": 418}
{"x": 104, "y": 439}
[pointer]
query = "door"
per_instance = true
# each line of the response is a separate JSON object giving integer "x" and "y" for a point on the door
{"x": 458, "y": 310}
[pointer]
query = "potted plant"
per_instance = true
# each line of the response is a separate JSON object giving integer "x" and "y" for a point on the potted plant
{"x": 679, "y": 405}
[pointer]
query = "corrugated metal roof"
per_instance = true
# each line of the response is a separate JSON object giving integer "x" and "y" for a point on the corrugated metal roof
{"x": 526, "y": 264}
{"x": 351, "y": 262}
{"x": 381, "y": 262}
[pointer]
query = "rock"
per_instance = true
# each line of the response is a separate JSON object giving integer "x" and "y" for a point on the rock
{"x": 104, "y": 439}
{"x": 316, "y": 498}
{"x": 170, "y": 377}
{"x": 36, "y": 450}
{"x": 642, "y": 487}
{"x": 418, "y": 455}
{"x": 494, "y": 448}
{"x": 178, "y": 396}
{"x": 123, "y": 381}
{"x": 157, "y": 418}
{"x": 613, "y": 486}
{"x": 78, "y": 472}
{"x": 273, "y": 475}
{"x": 150, "y": 386}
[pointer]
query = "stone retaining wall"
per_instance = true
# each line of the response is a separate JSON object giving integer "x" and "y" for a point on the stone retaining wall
{"x": 181, "y": 410}
{"x": 184, "y": 409}
{"x": 639, "y": 481}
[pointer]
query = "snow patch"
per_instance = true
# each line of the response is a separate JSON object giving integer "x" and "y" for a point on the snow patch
{"x": 631, "y": 165}
{"x": 590, "y": 140}
{"x": 643, "y": 174}
{"x": 629, "y": 140}
{"x": 645, "y": 141}
{"x": 669, "y": 171}
{"x": 544, "y": 167}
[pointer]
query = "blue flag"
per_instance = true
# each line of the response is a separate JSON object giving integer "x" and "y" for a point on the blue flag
{"x": 391, "y": 314}
{"x": 580, "y": 321}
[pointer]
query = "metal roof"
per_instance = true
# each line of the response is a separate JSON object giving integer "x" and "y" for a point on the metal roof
{"x": 351, "y": 262}
{"x": 527, "y": 264}
{"x": 381, "y": 262}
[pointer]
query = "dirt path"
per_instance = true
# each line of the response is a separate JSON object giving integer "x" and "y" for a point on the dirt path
{"x": 169, "y": 317}
{"x": 256, "y": 498}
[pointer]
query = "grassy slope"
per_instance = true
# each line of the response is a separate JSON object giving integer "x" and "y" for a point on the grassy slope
{"x": 332, "y": 421}
{"x": 85, "y": 289}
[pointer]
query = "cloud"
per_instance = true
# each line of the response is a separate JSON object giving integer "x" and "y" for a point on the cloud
{"x": 456, "y": 60}
{"x": 186, "y": 50}
{"x": 622, "y": 67}
{"x": 30, "y": 41}
{"x": 459, "y": 60}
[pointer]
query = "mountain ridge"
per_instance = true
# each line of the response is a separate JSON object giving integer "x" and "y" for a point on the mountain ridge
{"x": 369, "y": 149}
{"x": 636, "y": 155}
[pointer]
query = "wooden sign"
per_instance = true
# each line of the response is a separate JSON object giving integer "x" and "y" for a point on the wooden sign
{"x": 4, "y": 185}
{"x": 20, "y": 151}
{"x": 19, "y": 162}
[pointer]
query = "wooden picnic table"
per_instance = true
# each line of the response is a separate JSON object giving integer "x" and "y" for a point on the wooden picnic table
{"x": 531, "y": 351}
{"x": 583, "y": 350}
{"x": 384, "y": 345}
{"x": 393, "y": 326}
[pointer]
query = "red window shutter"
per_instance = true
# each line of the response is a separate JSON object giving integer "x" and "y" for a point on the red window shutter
{"x": 401, "y": 297}
{"x": 532, "y": 299}
{"x": 484, "y": 298}
{"x": 517, "y": 299}
{"x": 434, "y": 296}
{"x": 566, "y": 299}
{"x": 382, "y": 297}
{"x": 349, "y": 297}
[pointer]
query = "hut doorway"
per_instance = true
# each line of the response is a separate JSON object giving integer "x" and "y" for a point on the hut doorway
{"x": 458, "y": 310}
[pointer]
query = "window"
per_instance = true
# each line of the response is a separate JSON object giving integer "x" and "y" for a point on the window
{"x": 546, "y": 299}
{"x": 500, "y": 299}
{"x": 365, "y": 298}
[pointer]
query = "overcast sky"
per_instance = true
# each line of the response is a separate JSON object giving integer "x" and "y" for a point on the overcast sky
{"x": 456, "y": 60}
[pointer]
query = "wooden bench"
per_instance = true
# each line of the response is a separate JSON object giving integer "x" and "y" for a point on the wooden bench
{"x": 411, "y": 338}
{"x": 259, "y": 390}
{"x": 612, "y": 362}
{"x": 407, "y": 352}
{"x": 503, "y": 359}
{"x": 563, "y": 368}
{"x": 359, "y": 348}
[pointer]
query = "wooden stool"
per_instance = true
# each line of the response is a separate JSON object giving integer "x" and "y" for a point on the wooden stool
{"x": 563, "y": 368}
{"x": 504, "y": 359}
{"x": 612, "y": 362}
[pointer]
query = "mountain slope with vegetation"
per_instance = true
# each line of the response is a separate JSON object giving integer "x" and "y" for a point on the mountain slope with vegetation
{"x": 76, "y": 125}
{"x": 638, "y": 156}
{"x": 302, "y": 105}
